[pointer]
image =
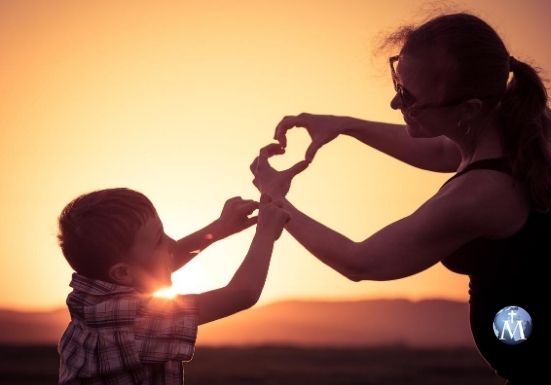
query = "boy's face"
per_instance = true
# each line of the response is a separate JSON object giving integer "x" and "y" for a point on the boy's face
{"x": 151, "y": 257}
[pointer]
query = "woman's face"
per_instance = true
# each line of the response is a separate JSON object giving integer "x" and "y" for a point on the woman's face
{"x": 423, "y": 78}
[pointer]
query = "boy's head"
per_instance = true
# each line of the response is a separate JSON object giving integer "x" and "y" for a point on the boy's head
{"x": 115, "y": 235}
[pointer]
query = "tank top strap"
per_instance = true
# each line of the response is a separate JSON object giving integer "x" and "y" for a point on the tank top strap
{"x": 496, "y": 164}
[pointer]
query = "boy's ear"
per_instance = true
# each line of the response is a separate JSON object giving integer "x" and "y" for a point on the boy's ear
{"x": 120, "y": 273}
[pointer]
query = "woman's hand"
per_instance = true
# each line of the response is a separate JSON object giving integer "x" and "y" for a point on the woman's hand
{"x": 269, "y": 181}
{"x": 235, "y": 216}
{"x": 321, "y": 128}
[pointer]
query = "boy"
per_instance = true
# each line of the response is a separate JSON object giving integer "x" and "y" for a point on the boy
{"x": 119, "y": 333}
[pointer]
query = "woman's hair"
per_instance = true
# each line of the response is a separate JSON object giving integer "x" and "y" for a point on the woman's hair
{"x": 482, "y": 66}
{"x": 97, "y": 229}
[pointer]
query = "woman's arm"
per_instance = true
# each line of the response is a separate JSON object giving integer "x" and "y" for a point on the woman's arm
{"x": 482, "y": 203}
{"x": 434, "y": 154}
{"x": 467, "y": 209}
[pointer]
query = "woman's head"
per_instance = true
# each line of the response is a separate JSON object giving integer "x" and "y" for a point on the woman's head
{"x": 454, "y": 72}
{"x": 477, "y": 62}
{"x": 456, "y": 67}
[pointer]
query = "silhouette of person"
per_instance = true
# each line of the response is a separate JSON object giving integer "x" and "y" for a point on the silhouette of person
{"x": 470, "y": 108}
{"x": 120, "y": 332}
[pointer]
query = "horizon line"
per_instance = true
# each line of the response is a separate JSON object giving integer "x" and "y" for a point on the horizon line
{"x": 53, "y": 308}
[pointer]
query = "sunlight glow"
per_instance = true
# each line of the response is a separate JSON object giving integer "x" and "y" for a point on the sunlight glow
{"x": 191, "y": 279}
{"x": 166, "y": 292}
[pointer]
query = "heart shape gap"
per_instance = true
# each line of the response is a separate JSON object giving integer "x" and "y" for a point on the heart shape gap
{"x": 298, "y": 141}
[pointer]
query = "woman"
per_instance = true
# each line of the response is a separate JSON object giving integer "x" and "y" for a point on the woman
{"x": 462, "y": 114}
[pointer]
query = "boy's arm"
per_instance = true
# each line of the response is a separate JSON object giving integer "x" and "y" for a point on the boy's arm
{"x": 233, "y": 219}
{"x": 245, "y": 287}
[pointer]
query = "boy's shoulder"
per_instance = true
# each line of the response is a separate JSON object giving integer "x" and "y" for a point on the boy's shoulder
{"x": 97, "y": 287}
{"x": 101, "y": 304}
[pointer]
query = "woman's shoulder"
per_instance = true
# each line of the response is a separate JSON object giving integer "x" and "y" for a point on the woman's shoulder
{"x": 493, "y": 198}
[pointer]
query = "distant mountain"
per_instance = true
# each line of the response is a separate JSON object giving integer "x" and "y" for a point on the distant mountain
{"x": 435, "y": 323}
{"x": 428, "y": 323}
{"x": 32, "y": 327}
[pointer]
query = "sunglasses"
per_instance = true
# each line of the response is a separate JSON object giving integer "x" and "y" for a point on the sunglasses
{"x": 407, "y": 100}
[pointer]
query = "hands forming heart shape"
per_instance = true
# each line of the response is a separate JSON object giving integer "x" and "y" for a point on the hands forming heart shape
{"x": 268, "y": 180}
{"x": 275, "y": 184}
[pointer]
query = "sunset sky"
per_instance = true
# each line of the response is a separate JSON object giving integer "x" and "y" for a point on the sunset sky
{"x": 174, "y": 99}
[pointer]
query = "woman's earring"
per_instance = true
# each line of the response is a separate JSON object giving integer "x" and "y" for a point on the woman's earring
{"x": 460, "y": 126}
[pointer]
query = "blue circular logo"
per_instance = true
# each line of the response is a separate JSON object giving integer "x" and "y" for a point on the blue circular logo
{"x": 512, "y": 325}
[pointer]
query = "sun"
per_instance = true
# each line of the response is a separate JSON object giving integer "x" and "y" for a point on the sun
{"x": 191, "y": 279}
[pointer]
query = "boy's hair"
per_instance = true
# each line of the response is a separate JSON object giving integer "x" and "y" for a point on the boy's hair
{"x": 97, "y": 229}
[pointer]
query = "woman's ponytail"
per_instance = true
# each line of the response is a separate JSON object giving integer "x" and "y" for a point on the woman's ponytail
{"x": 526, "y": 124}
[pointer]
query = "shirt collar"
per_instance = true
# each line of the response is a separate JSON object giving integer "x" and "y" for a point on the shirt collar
{"x": 97, "y": 287}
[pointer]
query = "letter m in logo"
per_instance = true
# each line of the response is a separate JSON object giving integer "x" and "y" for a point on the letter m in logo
{"x": 507, "y": 326}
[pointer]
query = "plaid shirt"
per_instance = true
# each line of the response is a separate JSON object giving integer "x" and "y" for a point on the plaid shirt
{"x": 118, "y": 336}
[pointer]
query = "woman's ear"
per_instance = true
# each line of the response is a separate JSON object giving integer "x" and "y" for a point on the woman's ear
{"x": 121, "y": 274}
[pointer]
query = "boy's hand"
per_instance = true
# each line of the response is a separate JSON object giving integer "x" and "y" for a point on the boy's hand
{"x": 235, "y": 216}
{"x": 272, "y": 218}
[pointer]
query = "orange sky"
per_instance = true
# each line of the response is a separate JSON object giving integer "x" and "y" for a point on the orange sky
{"x": 174, "y": 99}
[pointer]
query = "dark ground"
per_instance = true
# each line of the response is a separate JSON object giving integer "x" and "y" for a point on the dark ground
{"x": 37, "y": 365}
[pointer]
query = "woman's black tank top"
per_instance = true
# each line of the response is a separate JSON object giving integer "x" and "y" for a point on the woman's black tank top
{"x": 507, "y": 272}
